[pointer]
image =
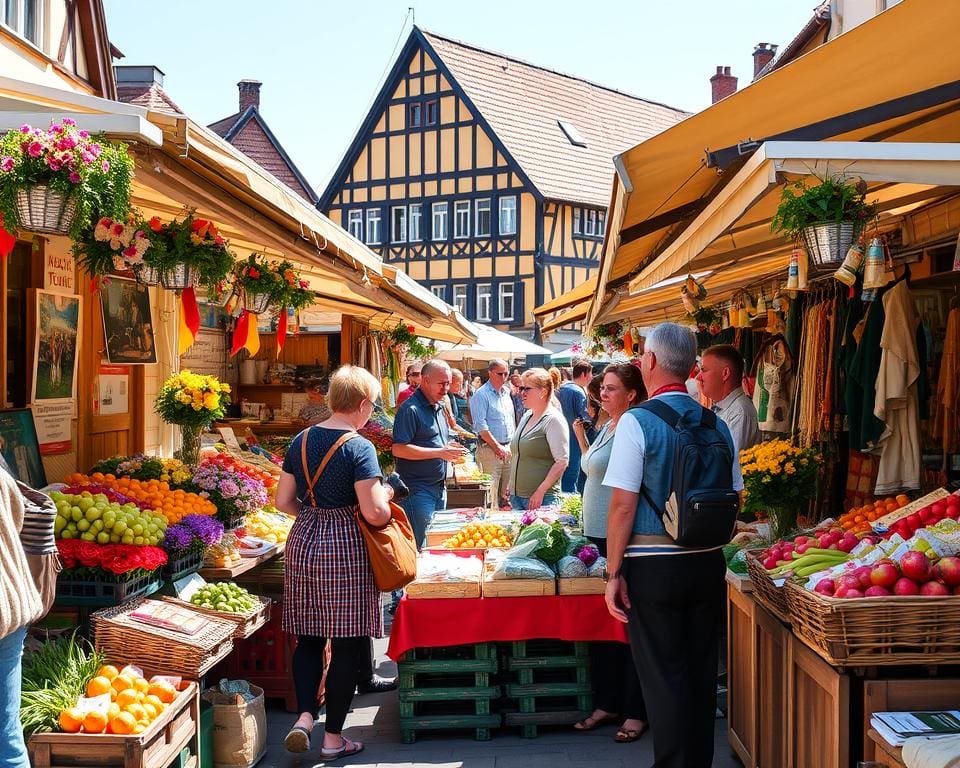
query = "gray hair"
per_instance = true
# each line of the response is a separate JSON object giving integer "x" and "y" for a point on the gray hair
{"x": 432, "y": 366}
{"x": 675, "y": 347}
{"x": 495, "y": 362}
{"x": 456, "y": 373}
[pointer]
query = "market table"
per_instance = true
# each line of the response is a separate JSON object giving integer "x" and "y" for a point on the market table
{"x": 435, "y": 623}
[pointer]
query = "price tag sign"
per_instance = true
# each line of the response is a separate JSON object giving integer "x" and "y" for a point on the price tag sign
{"x": 229, "y": 438}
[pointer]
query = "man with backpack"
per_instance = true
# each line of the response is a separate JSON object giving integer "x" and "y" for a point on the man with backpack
{"x": 675, "y": 481}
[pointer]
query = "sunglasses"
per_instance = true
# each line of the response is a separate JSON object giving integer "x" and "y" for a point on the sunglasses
{"x": 527, "y": 389}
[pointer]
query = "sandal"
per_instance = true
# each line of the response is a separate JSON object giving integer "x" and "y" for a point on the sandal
{"x": 629, "y": 735}
{"x": 592, "y": 723}
{"x": 347, "y": 749}
{"x": 297, "y": 740}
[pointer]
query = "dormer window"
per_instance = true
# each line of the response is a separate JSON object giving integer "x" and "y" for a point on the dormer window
{"x": 572, "y": 134}
{"x": 23, "y": 17}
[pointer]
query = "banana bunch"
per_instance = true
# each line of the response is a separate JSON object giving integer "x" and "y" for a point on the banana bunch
{"x": 811, "y": 561}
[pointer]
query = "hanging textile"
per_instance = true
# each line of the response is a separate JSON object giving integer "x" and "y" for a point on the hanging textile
{"x": 946, "y": 405}
{"x": 773, "y": 392}
{"x": 896, "y": 400}
{"x": 863, "y": 365}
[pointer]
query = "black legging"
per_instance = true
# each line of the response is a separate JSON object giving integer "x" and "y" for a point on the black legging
{"x": 341, "y": 676}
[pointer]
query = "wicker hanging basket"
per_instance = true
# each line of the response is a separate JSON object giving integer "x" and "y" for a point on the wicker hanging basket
{"x": 43, "y": 209}
{"x": 827, "y": 244}
{"x": 146, "y": 274}
{"x": 256, "y": 303}
{"x": 180, "y": 277}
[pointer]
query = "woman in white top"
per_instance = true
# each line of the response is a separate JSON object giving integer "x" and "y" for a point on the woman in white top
{"x": 540, "y": 448}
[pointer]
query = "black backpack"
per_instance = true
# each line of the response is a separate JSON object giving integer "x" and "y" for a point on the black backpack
{"x": 701, "y": 510}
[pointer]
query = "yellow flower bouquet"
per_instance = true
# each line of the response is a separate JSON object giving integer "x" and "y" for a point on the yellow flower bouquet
{"x": 192, "y": 401}
{"x": 779, "y": 480}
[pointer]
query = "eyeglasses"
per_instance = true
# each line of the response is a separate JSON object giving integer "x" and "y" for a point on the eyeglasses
{"x": 499, "y": 373}
{"x": 527, "y": 389}
{"x": 414, "y": 373}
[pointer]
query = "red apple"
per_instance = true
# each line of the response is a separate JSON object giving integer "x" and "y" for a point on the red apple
{"x": 877, "y": 592}
{"x": 906, "y": 587}
{"x": 863, "y": 576}
{"x": 934, "y": 589}
{"x": 825, "y": 587}
{"x": 884, "y": 575}
{"x": 770, "y": 563}
{"x": 916, "y": 566}
{"x": 915, "y": 522}
{"x": 953, "y": 511}
{"x": 939, "y": 509}
{"x": 948, "y": 570}
{"x": 848, "y": 581}
{"x": 851, "y": 593}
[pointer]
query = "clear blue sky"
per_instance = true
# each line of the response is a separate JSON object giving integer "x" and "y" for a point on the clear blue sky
{"x": 321, "y": 62}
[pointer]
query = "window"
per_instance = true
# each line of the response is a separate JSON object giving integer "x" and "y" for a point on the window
{"x": 508, "y": 215}
{"x": 577, "y": 221}
{"x": 439, "y": 230}
{"x": 461, "y": 219}
{"x": 414, "y": 112}
{"x": 23, "y": 17}
{"x": 432, "y": 112}
{"x": 440, "y": 291}
{"x": 460, "y": 299}
{"x": 482, "y": 228}
{"x": 415, "y": 234}
{"x": 483, "y": 301}
{"x": 374, "y": 233}
{"x": 506, "y": 302}
{"x": 601, "y": 223}
{"x": 398, "y": 224}
{"x": 591, "y": 229}
{"x": 572, "y": 134}
{"x": 355, "y": 225}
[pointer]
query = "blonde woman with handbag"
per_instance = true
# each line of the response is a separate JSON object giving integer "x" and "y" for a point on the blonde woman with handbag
{"x": 329, "y": 473}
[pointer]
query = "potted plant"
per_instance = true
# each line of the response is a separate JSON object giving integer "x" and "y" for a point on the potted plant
{"x": 779, "y": 480}
{"x": 608, "y": 338}
{"x": 114, "y": 244}
{"x": 827, "y": 217}
{"x": 55, "y": 181}
{"x": 258, "y": 284}
{"x": 193, "y": 253}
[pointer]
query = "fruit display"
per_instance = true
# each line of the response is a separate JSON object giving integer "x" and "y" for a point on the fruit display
{"x": 226, "y": 597}
{"x": 913, "y": 574}
{"x": 269, "y": 524}
{"x": 479, "y": 536}
{"x": 926, "y": 517}
{"x": 224, "y": 554}
{"x": 172, "y": 504}
{"x": 94, "y": 517}
{"x": 859, "y": 519}
{"x": 242, "y": 466}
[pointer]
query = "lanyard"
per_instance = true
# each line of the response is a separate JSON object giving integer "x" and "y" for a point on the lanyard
{"x": 670, "y": 388}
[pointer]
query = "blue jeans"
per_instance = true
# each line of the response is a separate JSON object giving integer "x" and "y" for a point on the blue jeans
{"x": 13, "y": 752}
{"x": 518, "y": 502}
{"x": 420, "y": 505}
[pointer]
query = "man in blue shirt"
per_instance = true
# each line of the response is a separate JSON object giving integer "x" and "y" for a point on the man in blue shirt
{"x": 573, "y": 402}
{"x": 422, "y": 447}
{"x": 491, "y": 409}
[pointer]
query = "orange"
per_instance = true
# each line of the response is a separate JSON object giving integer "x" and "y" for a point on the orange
{"x": 71, "y": 720}
{"x": 154, "y": 701}
{"x": 108, "y": 671}
{"x": 123, "y": 723}
{"x": 126, "y": 698}
{"x": 151, "y": 711}
{"x": 122, "y": 682}
{"x": 139, "y": 727}
{"x": 903, "y": 499}
{"x": 94, "y": 722}
{"x": 141, "y": 684}
{"x": 137, "y": 711}
{"x": 163, "y": 691}
{"x": 113, "y": 710}
{"x": 98, "y": 686}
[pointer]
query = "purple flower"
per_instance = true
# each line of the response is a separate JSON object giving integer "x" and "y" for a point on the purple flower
{"x": 229, "y": 488}
{"x": 83, "y": 134}
{"x": 69, "y": 121}
{"x": 6, "y": 164}
{"x": 588, "y": 554}
{"x": 86, "y": 157}
{"x": 177, "y": 537}
{"x": 54, "y": 129}
{"x": 95, "y": 150}
{"x": 207, "y": 529}
{"x": 34, "y": 149}
{"x": 74, "y": 177}
{"x": 25, "y": 128}
{"x": 105, "y": 166}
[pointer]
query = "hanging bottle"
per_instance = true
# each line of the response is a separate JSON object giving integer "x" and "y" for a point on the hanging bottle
{"x": 852, "y": 264}
{"x": 803, "y": 264}
{"x": 793, "y": 272}
{"x": 875, "y": 273}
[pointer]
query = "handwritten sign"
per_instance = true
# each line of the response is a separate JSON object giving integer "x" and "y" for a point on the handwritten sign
{"x": 59, "y": 271}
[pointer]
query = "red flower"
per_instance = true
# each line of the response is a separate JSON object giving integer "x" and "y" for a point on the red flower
{"x": 254, "y": 273}
{"x": 155, "y": 224}
{"x": 411, "y": 328}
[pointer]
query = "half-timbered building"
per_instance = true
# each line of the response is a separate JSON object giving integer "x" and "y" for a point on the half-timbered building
{"x": 487, "y": 178}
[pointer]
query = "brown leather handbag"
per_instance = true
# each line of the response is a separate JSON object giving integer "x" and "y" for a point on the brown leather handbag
{"x": 391, "y": 547}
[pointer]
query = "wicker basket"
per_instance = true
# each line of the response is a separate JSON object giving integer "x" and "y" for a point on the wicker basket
{"x": 180, "y": 277}
{"x": 877, "y": 631}
{"x": 827, "y": 244}
{"x": 246, "y": 623}
{"x": 256, "y": 303}
{"x": 146, "y": 274}
{"x": 161, "y": 651}
{"x": 766, "y": 591}
{"x": 46, "y": 210}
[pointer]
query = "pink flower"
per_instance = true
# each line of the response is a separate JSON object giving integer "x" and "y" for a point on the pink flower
{"x": 83, "y": 134}
{"x": 55, "y": 165}
{"x": 86, "y": 157}
{"x": 130, "y": 250}
{"x": 35, "y": 149}
{"x": 54, "y": 129}
{"x": 117, "y": 229}
{"x": 6, "y": 164}
{"x": 95, "y": 150}
{"x": 106, "y": 166}
{"x": 25, "y": 128}
{"x": 68, "y": 121}
{"x": 304, "y": 284}
{"x": 74, "y": 177}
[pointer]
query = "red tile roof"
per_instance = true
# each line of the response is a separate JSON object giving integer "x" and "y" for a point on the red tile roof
{"x": 150, "y": 96}
{"x": 522, "y": 103}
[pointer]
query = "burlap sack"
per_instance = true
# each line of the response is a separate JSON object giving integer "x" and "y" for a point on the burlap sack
{"x": 239, "y": 729}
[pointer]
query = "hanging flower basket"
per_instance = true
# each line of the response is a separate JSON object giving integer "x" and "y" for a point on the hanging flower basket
{"x": 146, "y": 274}
{"x": 257, "y": 303}
{"x": 179, "y": 277}
{"x": 827, "y": 244}
{"x": 46, "y": 210}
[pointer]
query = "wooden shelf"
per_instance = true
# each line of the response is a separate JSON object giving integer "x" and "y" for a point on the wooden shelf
{"x": 267, "y": 386}
{"x": 246, "y": 564}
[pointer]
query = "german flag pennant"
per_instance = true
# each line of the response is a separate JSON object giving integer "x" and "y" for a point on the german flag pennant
{"x": 245, "y": 335}
{"x": 189, "y": 319}
{"x": 281, "y": 330}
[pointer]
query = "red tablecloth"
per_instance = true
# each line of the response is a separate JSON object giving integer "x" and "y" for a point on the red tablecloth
{"x": 436, "y": 623}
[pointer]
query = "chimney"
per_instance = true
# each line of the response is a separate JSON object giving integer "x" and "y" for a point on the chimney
{"x": 722, "y": 84}
{"x": 249, "y": 94}
{"x": 138, "y": 75}
{"x": 762, "y": 55}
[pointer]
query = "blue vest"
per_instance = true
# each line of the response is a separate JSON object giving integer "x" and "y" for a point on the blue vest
{"x": 660, "y": 443}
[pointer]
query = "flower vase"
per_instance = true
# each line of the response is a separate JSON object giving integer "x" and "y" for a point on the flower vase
{"x": 782, "y": 519}
{"x": 189, "y": 452}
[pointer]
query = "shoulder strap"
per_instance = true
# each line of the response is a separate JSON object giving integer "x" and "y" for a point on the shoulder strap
{"x": 662, "y": 411}
{"x": 311, "y": 482}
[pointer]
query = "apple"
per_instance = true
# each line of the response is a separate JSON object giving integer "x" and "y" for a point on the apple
{"x": 848, "y": 542}
{"x": 914, "y": 521}
{"x": 915, "y": 565}
{"x": 939, "y": 509}
{"x": 848, "y": 581}
{"x": 863, "y": 576}
{"x": 826, "y": 587}
{"x": 770, "y": 563}
{"x": 934, "y": 589}
{"x": 948, "y": 570}
{"x": 905, "y": 587}
{"x": 876, "y": 591}
{"x": 884, "y": 575}
{"x": 953, "y": 510}
{"x": 851, "y": 593}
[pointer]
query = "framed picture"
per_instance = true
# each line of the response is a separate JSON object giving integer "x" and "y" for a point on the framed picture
{"x": 19, "y": 447}
{"x": 127, "y": 322}
{"x": 55, "y": 353}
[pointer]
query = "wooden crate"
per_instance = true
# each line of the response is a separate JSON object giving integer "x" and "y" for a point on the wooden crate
{"x": 879, "y": 750}
{"x": 741, "y": 674}
{"x": 519, "y": 587}
{"x": 418, "y": 590}
{"x": 771, "y": 647}
{"x": 581, "y": 585}
{"x": 478, "y": 496}
{"x": 905, "y": 695}
{"x": 247, "y": 623}
{"x": 176, "y": 727}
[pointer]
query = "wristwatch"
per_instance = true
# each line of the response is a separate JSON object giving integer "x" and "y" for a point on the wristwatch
{"x": 607, "y": 575}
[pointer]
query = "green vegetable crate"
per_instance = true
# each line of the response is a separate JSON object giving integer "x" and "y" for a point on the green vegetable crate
{"x": 448, "y": 689}
{"x": 549, "y": 684}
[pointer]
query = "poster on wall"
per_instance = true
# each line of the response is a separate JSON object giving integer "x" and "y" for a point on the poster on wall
{"x": 127, "y": 322}
{"x": 55, "y": 354}
{"x": 54, "y": 422}
{"x": 19, "y": 447}
{"x": 112, "y": 390}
